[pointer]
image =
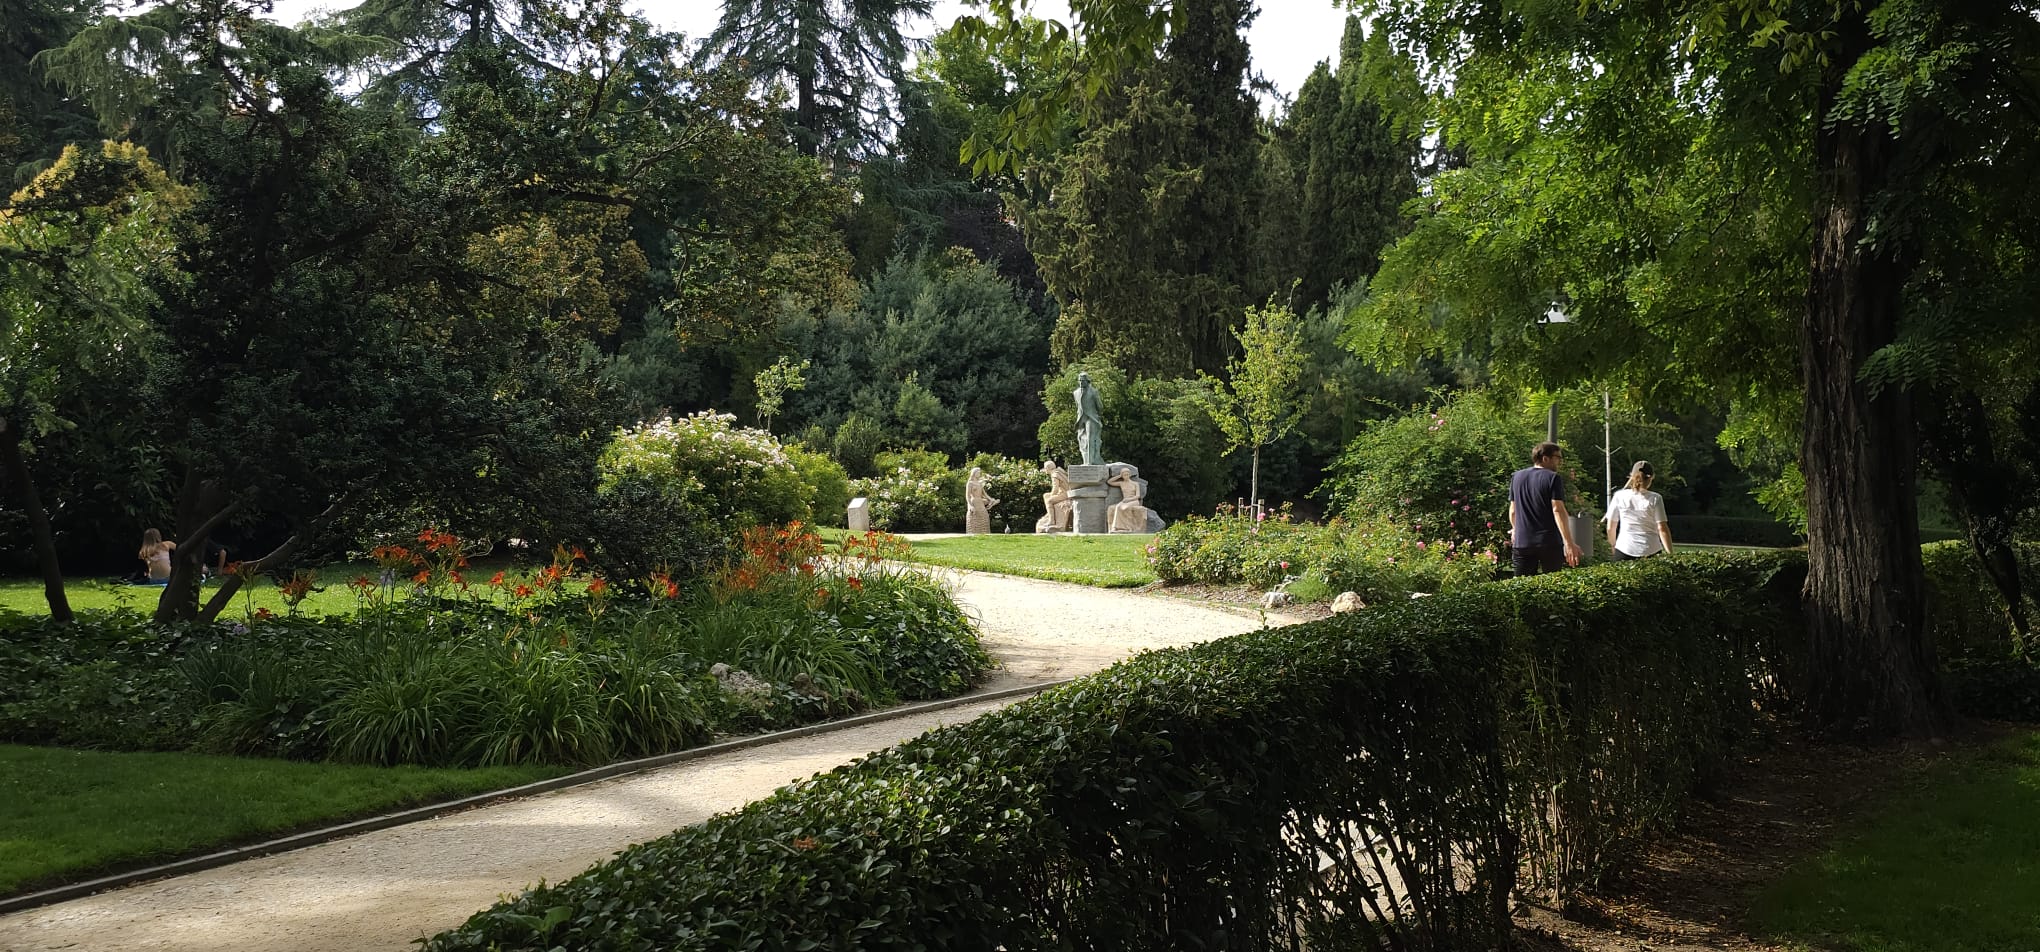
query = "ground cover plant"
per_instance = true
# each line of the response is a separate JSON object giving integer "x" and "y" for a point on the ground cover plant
{"x": 528, "y": 668}
{"x": 1385, "y": 779}
{"x": 1945, "y": 866}
{"x": 1104, "y": 561}
{"x": 75, "y": 813}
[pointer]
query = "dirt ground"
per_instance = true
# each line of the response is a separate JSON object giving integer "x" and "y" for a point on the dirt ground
{"x": 1693, "y": 889}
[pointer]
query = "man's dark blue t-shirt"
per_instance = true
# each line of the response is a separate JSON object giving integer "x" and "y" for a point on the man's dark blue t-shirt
{"x": 1532, "y": 490}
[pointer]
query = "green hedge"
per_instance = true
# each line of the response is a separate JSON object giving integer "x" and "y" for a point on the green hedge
{"x": 1989, "y": 673}
{"x": 1249, "y": 793}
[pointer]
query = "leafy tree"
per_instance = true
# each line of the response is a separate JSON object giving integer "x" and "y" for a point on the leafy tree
{"x": 774, "y": 383}
{"x": 1359, "y": 165}
{"x": 1149, "y": 210}
{"x": 836, "y": 57}
{"x": 1261, "y": 398}
{"x": 1831, "y": 149}
{"x": 962, "y": 332}
{"x": 78, "y": 249}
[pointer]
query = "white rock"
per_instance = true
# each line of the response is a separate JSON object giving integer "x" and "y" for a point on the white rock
{"x": 1347, "y": 602}
{"x": 1275, "y": 599}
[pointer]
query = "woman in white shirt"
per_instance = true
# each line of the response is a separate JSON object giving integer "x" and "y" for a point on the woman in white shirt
{"x": 1636, "y": 517}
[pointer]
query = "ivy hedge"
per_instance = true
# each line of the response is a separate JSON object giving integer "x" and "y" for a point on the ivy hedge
{"x": 1383, "y": 779}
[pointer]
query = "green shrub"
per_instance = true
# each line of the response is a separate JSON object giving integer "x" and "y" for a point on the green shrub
{"x": 1441, "y": 474}
{"x": 827, "y": 482}
{"x": 1376, "y": 561}
{"x": 1376, "y": 780}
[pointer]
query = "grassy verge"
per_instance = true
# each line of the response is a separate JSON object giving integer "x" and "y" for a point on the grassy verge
{"x": 73, "y": 814}
{"x": 330, "y": 595}
{"x": 1952, "y": 865}
{"x": 1107, "y": 561}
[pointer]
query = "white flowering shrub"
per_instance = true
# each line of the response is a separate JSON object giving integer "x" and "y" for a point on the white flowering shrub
{"x": 743, "y": 472}
{"x": 914, "y": 491}
{"x": 677, "y": 492}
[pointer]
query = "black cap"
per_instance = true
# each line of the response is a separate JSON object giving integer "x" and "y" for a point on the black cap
{"x": 1643, "y": 466}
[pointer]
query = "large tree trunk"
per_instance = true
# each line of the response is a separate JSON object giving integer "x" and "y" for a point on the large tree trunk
{"x": 16, "y": 467}
{"x": 1870, "y": 661}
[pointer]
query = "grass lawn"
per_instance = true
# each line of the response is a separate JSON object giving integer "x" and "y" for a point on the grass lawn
{"x": 25, "y": 595}
{"x": 1106, "y": 561}
{"x": 330, "y": 593}
{"x": 72, "y": 814}
{"x": 1951, "y": 865}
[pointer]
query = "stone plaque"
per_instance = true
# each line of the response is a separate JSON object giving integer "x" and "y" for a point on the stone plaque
{"x": 860, "y": 515}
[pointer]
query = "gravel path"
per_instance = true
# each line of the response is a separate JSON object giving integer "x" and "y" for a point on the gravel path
{"x": 383, "y": 890}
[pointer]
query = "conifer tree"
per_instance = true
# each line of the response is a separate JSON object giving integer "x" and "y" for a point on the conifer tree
{"x": 1143, "y": 236}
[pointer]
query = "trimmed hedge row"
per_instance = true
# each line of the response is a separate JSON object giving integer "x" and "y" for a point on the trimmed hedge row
{"x": 1374, "y": 780}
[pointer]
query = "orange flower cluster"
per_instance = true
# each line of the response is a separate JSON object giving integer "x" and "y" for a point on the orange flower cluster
{"x": 771, "y": 553}
{"x": 297, "y": 588}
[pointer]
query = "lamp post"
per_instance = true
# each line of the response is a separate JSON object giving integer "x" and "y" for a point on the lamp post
{"x": 1555, "y": 314}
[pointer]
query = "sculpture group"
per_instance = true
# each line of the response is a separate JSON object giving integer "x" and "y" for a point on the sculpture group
{"x": 1094, "y": 496}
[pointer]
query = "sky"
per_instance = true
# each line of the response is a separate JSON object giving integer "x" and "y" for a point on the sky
{"x": 1288, "y": 38}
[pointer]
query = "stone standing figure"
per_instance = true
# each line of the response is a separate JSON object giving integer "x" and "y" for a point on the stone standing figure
{"x": 977, "y": 518}
{"x": 1090, "y": 423}
{"x": 1056, "y": 500}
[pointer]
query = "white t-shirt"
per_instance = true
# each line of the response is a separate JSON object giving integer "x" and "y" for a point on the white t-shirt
{"x": 1639, "y": 514}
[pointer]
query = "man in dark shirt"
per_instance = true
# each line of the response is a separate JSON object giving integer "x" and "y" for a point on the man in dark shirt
{"x": 1540, "y": 529}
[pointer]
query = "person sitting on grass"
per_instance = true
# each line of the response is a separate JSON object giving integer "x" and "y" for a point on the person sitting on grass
{"x": 155, "y": 555}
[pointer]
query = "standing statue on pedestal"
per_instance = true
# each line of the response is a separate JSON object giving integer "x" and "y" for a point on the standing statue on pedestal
{"x": 1090, "y": 423}
{"x": 977, "y": 517}
{"x": 1056, "y": 500}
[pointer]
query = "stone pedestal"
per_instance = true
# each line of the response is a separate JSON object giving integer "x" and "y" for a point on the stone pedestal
{"x": 1091, "y": 511}
{"x": 1090, "y": 500}
{"x": 860, "y": 515}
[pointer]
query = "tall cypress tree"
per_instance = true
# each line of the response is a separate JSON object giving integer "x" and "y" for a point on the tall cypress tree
{"x": 1360, "y": 168}
{"x": 1145, "y": 235}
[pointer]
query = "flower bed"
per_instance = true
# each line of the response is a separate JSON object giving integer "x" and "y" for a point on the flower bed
{"x": 543, "y": 666}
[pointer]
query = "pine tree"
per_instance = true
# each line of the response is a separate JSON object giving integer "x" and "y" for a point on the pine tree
{"x": 836, "y": 55}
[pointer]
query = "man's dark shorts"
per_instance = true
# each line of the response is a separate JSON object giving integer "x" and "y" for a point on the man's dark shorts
{"x": 1537, "y": 561}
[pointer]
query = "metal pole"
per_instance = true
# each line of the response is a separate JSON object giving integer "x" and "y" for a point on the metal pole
{"x": 1607, "y": 455}
{"x": 1551, "y": 423}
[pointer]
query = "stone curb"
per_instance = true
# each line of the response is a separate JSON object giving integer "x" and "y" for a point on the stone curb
{"x": 314, "y": 837}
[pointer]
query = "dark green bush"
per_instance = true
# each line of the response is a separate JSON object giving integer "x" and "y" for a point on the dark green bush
{"x": 1990, "y": 673}
{"x": 1375, "y": 780}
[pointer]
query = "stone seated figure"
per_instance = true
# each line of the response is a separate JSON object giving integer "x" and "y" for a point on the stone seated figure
{"x": 1056, "y": 500}
{"x": 1128, "y": 515}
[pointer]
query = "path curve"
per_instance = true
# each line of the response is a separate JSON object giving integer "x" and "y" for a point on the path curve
{"x": 382, "y": 890}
